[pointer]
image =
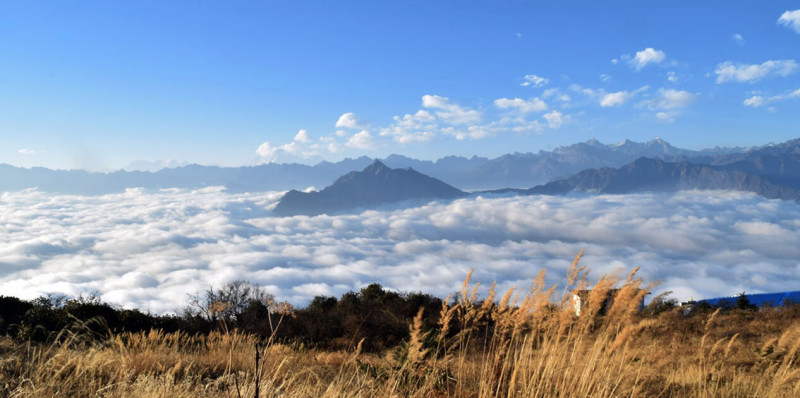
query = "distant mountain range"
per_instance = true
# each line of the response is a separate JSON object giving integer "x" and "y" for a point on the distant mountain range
{"x": 517, "y": 170}
{"x": 371, "y": 187}
{"x": 528, "y": 169}
{"x": 771, "y": 171}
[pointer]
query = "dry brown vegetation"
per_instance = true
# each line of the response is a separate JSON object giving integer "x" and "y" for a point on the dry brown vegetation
{"x": 518, "y": 344}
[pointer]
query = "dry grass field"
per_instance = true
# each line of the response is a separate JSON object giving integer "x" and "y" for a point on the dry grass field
{"x": 514, "y": 344}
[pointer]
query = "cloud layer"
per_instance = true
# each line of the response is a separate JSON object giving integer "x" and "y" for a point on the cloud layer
{"x": 149, "y": 250}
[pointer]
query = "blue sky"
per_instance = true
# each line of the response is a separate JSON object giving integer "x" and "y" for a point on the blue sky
{"x": 100, "y": 84}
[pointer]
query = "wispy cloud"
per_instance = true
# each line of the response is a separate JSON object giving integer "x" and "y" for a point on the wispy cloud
{"x": 752, "y": 73}
{"x": 668, "y": 103}
{"x": 669, "y": 99}
{"x": 449, "y": 111}
{"x": 757, "y": 101}
{"x": 555, "y": 119}
{"x": 523, "y": 106}
{"x": 615, "y": 99}
{"x": 672, "y": 77}
{"x": 534, "y": 80}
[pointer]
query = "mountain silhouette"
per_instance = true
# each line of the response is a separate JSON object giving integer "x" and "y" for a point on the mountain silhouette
{"x": 375, "y": 185}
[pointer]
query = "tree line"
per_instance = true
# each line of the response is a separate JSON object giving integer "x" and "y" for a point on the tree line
{"x": 376, "y": 315}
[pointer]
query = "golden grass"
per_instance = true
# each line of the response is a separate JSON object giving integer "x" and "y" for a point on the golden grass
{"x": 529, "y": 345}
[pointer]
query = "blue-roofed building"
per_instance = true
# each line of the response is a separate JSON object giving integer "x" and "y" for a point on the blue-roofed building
{"x": 758, "y": 300}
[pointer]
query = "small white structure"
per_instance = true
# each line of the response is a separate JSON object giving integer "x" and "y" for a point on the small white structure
{"x": 577, "y": 304}
{"x": 580, "y": 300}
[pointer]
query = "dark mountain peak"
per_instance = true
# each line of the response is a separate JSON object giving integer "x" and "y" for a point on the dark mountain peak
{"x": 377, "y": 184}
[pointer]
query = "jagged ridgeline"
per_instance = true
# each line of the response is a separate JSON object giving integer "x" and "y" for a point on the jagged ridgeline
{"x": 515, "y": 170}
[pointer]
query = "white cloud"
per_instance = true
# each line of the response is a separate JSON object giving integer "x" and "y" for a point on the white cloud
{"x": 450, "y": 112}
{"x": 422, "y": 116}
{"x": 348, "y": 121}
{"x": 267, "y": 152}
{"x": 647, "y": 56}
{"x": 752, "y": 73}
{"x": 664, "y": 117}
{"x": 557, "y": 94}
{"x": 674, "y": 99}
{"x": 606, "y": 99}
{"x": 669, "y": 99}
{"x": 535, "y": 81}
{"x": 755, "y": 101}
{"x": 791, "y": 19}
{"x": 523, "y": 106}
{"x": 586, "y": 91}
{"x": 419, "y": 127}
{"x": 27, "y": 152}
{"x": 436, "y": 102}
{"x": 361, "y": 140}
{"x": 148, "y": 250}
{"x": 555, "y": 119}
{"x": 738, "y": 39}
{"x": 604, "y": 77}
{"x": 302, "y": 146}
{"x": 615, "y": 99}
{"x": 668, "y": 103}
{"x": 334, "y": 147}
{"x": 294, "y": 148}
{"x": 302, "y": 136}
{"x": 471, "y": 132}
{"x": 672, "y": 77}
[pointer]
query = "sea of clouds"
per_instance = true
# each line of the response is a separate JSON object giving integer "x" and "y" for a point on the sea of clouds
{"x": 148, "y": 250}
